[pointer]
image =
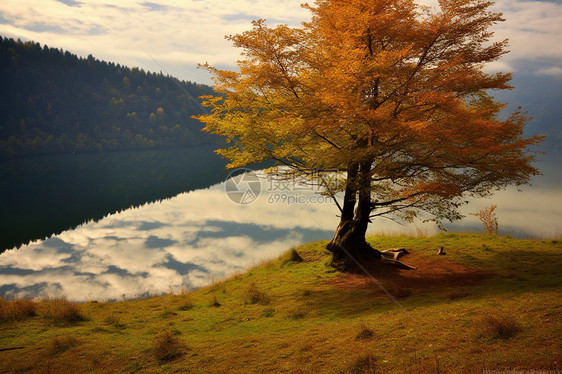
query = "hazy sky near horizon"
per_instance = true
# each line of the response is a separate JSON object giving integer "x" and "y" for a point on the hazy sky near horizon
{"x": 180, "y": 34}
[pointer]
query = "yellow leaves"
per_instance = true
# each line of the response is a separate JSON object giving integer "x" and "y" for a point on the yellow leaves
{"x": 423, "y": 191}
{"x": 380, "y": 81}
{"x": 419, "y": 126}
{"x": 439, "y": 188}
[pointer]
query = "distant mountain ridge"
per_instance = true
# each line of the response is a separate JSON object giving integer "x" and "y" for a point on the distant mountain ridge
{"x": 52, "y": 101}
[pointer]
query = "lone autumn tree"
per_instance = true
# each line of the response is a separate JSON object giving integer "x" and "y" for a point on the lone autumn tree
{"x": 390, "y": 94}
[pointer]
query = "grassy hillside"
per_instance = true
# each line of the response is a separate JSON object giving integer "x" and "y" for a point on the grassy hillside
{"x": 491, "y": 303}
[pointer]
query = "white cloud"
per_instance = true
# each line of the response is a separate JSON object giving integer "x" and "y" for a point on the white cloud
{"x": 37, "y": 256}
{"x": 534, "y": 29}
{"x": 181, "y": 34}
{"x": 555, "y": 71}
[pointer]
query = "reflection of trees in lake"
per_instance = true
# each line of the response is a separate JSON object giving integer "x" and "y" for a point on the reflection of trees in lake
{"x": 41, "y": 196}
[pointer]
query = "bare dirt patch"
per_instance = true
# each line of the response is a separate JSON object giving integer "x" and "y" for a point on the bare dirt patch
{"x": 432, "y": 273}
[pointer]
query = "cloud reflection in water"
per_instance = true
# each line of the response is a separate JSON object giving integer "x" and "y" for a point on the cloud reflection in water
{"x": 197, "y": 237}
{"x": 180, "y": 243}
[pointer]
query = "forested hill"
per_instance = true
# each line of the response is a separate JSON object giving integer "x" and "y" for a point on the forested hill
{"x": 52, "y": 101}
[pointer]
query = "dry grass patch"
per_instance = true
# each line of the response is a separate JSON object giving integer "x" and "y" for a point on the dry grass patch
{"x": 167, "y": 346}
{"x": 17, "y": 309}
{"x": 291, "y": 256}
{"x": 365, "y": 333}
{"x": 255, "y": 296}
{"x": 499, "y": 327}
{"x": 322, "y": 321}
{"x": 62, "y": 344}
{"x": 364, "y": 365}
{"x": 186, "y": 305}
{"x": 62, "y": 312}
{"x": 115, "y": 320}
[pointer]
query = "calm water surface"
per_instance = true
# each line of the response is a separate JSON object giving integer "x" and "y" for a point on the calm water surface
{"x": 196, "y": 237}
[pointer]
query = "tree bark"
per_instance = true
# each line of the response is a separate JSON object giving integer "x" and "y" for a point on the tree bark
{"x": 349, "y": 246}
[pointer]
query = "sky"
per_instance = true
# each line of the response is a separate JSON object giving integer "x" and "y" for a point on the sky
{"x": 173, "y": 36}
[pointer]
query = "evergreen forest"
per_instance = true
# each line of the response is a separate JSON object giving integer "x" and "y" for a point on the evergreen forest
{"x": 52, "y": 101}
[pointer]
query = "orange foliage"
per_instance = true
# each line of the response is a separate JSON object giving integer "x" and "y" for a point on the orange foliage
{"x": 390, "y": 93}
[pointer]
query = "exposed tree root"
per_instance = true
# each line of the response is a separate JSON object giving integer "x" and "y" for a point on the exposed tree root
{"x": 390, "y": 256}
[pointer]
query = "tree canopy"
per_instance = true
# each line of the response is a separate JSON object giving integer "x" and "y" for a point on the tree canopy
{"x": 390, "y": 94}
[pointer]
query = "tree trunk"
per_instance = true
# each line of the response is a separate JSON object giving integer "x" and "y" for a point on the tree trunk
{"x": 349, "y": 246}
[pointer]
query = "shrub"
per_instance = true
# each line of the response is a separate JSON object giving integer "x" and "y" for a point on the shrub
{"x": 215, "y": 302}
{"x": 499, "y": 327}
{"x": 365, "y": 333}
{"x": 62, "y": 311}
{"x": 167, "y": 313}
{"x": 255, "y": 296}
{"x": 296, "y": 315}
{"x": 166, "y": 346}
{"x": 291, "y": 256}
{"x": 63, "y": 344}
{"x": 364, "y": 365}
{"x": 488, "y": 217}
{"x": 115, "y": 321}
{"x": 457, "y": 295}
{"x": 268, "y": 313}
{"x": 17, "y": 309}
{"x": 186, "y": 305}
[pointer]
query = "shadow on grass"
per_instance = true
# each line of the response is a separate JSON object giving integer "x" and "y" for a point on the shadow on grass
{"x": 437, "y": 279}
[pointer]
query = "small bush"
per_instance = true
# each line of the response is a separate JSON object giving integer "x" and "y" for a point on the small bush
{"x": 62, "y": 312}
{"x": 166, "y": 346}
{"x": 268, "y": 313}
{"x": 365, "y": 333}
{"x": 291, "y": 256}
{"x": 17, "y": 309}
{"x": 504, "y": 327}
{"x": 297, "y": 315}
{"x": 488, "y": 218}
{"x": 63, "y": 344}
{"x": 364, "y": 365}
{"x": 167, "y": 313}
{"x": 215, "y": 302}
{"x": 401, "y": 293}
{"x": 186, "y": 305}
{"x": 255, "y": 296}
{"x": 115, "y": 321}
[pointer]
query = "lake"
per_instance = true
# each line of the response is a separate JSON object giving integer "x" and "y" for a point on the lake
{"x": 143, "y": 223}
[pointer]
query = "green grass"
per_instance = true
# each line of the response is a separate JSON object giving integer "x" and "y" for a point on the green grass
{"x": 301, "y": 316}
